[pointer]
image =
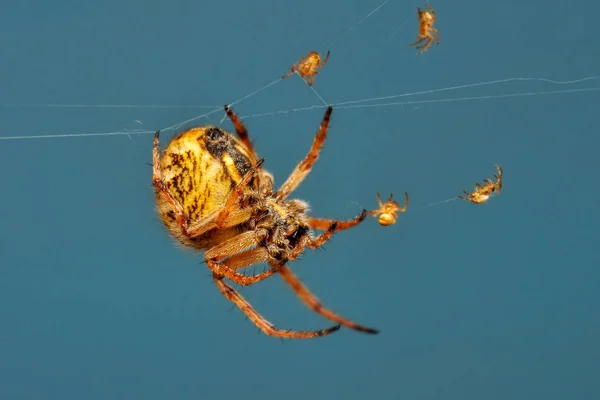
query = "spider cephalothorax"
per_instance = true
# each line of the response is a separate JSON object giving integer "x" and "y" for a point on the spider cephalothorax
{"x": 213, "y": 194}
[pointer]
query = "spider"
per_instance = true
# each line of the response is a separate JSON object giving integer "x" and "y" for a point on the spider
{"x": 212, "y": 194}
{"x": 482, "y": 193}
{"x": 307, "y": 67}
{"x": 388, "y": 210}
{"x": 426, "y": 29}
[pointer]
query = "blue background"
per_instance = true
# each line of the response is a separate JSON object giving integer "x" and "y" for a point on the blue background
{"x": 498, "y": 301}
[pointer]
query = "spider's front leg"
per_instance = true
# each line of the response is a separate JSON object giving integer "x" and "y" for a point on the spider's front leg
{"x": 303, "y": 169}
{"x": 322, "y": 223}
{"x": 330, "y": 226}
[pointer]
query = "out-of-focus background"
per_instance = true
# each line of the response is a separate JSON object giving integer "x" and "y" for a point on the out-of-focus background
{"x": 496, "y": 301}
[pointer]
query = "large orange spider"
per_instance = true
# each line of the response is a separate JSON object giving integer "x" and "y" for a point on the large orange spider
{"x": 213, "y": 194}
{"x": 308, "y": 67}
{"x": 388, "y": 210}
{"x": 482, "y": 193}
{"x": 426, "y": 29}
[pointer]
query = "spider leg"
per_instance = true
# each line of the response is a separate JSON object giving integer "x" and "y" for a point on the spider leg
{"x": 292, "y": 72}
{"x": 303, "y": 169}
{"x": 241, "y": 130}
{"x": 322, "y": 238}
{"x": 431, "y": 10}
{"x": 325, "y": 60}
{"x": 230, "y": 214}
{"x": 313, "y": 303}
{"x": 232, "y": 248}
{"x": 468, "y": 198}
{"x": 375, "y": 213}
{"x": 310, "y": 79}
{"x": 236, "y": 194}
{"x": 258, "y": 320}
{"x": 419, "y": 40}
{"x": 426, "y": 46}
{"x": 307, "y": 241}
{"x": 248, "y": 258}
{"x": 160, "y": 186}
{"x": 322, "y": 223}
{"x": 405, "y": 206}
{"x": 437, "y": 34}
{"x": 379, "y": 200}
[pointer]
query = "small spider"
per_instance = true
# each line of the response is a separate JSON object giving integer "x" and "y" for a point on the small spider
{"x": 426, "y": 29}
{"x": 482, "y": 193}
{"x": 388, "y": 210}
{"x": 212, "y": 194}
{"x": 307, "y": 67}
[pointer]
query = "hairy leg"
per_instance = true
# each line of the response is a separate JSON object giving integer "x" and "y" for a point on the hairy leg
{"x": 322, "y": 223}
{"x": 234, "y": 256}
{"x": 258, "y": 320}
{"x": 303, "y": 169}
{"x": 313, "y": 303}
{"x": 241, "y": 130}
{"x": 237, "y": 193}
